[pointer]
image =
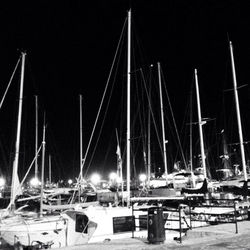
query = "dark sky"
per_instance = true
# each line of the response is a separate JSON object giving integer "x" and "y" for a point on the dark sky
{"x": 70, "y": 47}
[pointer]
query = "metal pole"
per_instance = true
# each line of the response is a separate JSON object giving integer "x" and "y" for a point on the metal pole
{"x": 200, "y": 125}
{"x": 81, "y": 162}
{"x": 149, "y": 145}
{"x": 191, "y": 141}
{"x": 128, "y": 107}
{"x": 49, "y": 169}
{"x": 180, "y": 222}
{"x": 235, "y": 218}
{"x": 15, "y": 180}
{"x": 36, "y": 142}
{"x": 162, "y": 123}
{"x": 243, "y": 159}
{"x": 42, "y": 174}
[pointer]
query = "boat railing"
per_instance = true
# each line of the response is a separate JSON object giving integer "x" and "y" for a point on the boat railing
{"x": 215, "y": 211}
{"x": 192, "y": 213}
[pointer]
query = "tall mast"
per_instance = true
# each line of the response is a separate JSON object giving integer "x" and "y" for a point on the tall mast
{"x": 149, "y": 139}
{"x": 128, "y": 105}
{"x": 81, "y": 161}
{"x": 200, "y": 125}
{"x": 162, "y": 123}
{"x": 50, "y": 169}
{"x": 191, "y": 138}
{"x": 238, "y": 113}
{"x": 15, "y": 180}
{"x": 42, "y": 174}
{"x": 36, "y": 142}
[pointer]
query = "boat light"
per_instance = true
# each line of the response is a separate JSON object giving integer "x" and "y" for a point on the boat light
{"x": 113, "y": 176}
{"x": 142, "y": 177}
{"x": 34, "y": 182}
{"x": 95, "y": 178}
{"x": 119, "y": 180}
{"x": 2, "y": 182}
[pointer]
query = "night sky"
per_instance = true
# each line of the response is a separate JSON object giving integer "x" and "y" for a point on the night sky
{"x": 70, "y": 46}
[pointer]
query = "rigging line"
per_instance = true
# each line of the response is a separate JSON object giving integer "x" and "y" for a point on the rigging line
{"x": 172, "y": 114}
{"x": 137, "y": 43}
{"x": 102, "y": 100}
{"x": 20, "y": 185}
{"x": 137, "y": 113}
{"x": 185, "y": 132}
{"x": 141, "y": 117}
{"x": 188, "y": 117}
{"x": 146, "y": 120}
{"x": 105, "y": 114}
{"x": 102, "y": 124}
{"x": 151, "y": 111}
{"x": 188, "y": 132}
{"x": 140, "y": 114}
{"x": 5, "y": 93}
{"x": 141, "y": 136}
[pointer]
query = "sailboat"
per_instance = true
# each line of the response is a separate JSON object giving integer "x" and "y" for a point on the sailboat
{"x": 201, "y": 188}
{"x": 15, "y": 184}
{"x": 240, "y": 181}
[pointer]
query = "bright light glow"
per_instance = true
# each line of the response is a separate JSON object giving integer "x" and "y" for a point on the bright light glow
{"x": 34, "y": 182}
{"x": 95, "y": 178}
{"x": 119, "y": 180}
{"x": 2, "y": 182}
{"x": 112, "y": 176}
{"x": 70, "y": 181}
{"x": 142, "y": 177}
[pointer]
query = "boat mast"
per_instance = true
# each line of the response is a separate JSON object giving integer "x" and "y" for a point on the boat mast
{"x": 200, "y": 125}
{"x": 128, "y": 106}
{"x": 15, "y": 180}
{"x": 36, "y": 141}
{"x": 49, "y": 169}
{"x": 42, "y": 174}
{"x": 191, "y": 140}
{"x": 238, "y": 113}
{"x": 162, "y": 123}
{"x": 81, "y": 161}
{"x": 149, "y": 140}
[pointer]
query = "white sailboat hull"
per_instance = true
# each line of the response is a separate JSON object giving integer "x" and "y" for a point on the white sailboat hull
{"x": 93, "y": 224}
{"x": 28, "y": 232}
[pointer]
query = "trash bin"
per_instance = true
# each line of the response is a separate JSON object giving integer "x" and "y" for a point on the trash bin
{"x": 156, "y": 230}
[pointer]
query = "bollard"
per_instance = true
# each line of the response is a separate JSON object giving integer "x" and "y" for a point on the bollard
{"x": 156, "y": 230}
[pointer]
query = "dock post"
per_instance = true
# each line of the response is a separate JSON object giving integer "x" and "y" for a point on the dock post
{"x": 235, "y": 218}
